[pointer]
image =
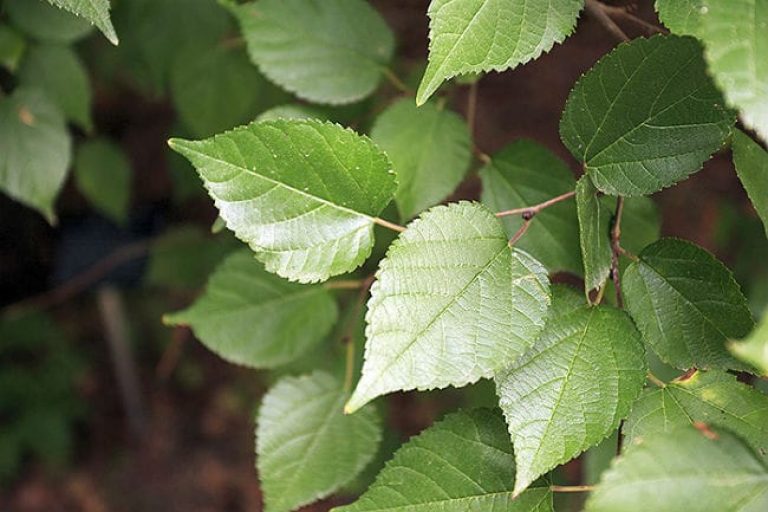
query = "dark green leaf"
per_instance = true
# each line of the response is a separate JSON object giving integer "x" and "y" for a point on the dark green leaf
{"x": 42, "y": 21}
{"x": 752, "y": 167}
{"x": 594, "y": 233}
{"x": 103, "y": 175}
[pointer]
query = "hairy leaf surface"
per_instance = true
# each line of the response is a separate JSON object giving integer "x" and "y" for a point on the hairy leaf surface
{"x": 253, "y": 318}
{"x": 452, "y": 303}
{"x": 645, "y": 116}
{"x": 303, "y": 194}
{"x": 680, "y": 16}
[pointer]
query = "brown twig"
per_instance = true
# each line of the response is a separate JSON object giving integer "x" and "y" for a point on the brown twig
{"x": 472, "y": 108}
{"x": 622, "y": 12}
{"x": 571, "y": 488}
{"x": 533, "y": 210}
{"x": 388, "y": 225}
{"x": 344, "y": 284}
{"x": 520, "y": 232}
{"x": 598, "y": 11}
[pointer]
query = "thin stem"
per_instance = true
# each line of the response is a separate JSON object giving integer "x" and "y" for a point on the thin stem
{"x": 598, "y": 11}
{"x": 483, "y": 157}
{"x": 396, "y": 81}
{"x": 349, "y": 368}
{"x": 620, "y": 438}
{"x": 388, "y": 225}
{"x": 616, "y": 250}
{"x": 533, "y": 210}
{"x": 600, "y": 294}
{"x": 348, "y": 338}
{"x": 622, "y": 12}
{"x": 520, "y": 232}
{"x": 472, "y": 108}
{"x": 344, "y": 284}
{"x": 571, "y": 488}
{"x": 656, "y": 381}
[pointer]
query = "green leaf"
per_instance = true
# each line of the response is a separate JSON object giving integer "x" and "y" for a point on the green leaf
{"x": 524, "y": 174}
{"x": 332, "y": 51}
{"x": 60, "y": 74}
{"x": 12, "y": 47}
{"x": 686, "y": 304}
{"x": 472, "y": 36}
{"x": 736, "y": 46}
{"x": 754, "y": 349}
{"x": 253, "y": 318}
{"x": 462, "y": 463}
{"x": 306, "y": 447}
{"x": 303, "y": 194}
{"x": 291, "y": 111}
{"x": 103, "y": 175}
{"x": 227, "y": 97}
{"x": 752, "y": 167}
{"x": 45, "y": 22}
{"x": 640, "y": 222}
{"x": 594, "y": 234}
{"x": 572, "y": 389}
{"x": 715, "y": 398}
{"x": 35, "y": 150}
{"x": 472, "y": 304}
{"x": 430, "y": 148}
{"x": 95, "y": 11}
{"x": 684, "y": 470}
{"x": 680, "y": 16}
{"x": 645, "y": 116}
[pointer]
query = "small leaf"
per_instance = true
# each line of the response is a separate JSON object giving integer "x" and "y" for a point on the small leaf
{"x": 572, "y": 389}
{"x": 95, "y": 11}
{"x": 462, "y": 463}
{"x": 452, "y": 303}
{"x": 332, "y": 51}
{"x": 686, "y": 304}
{"x": 714, "y": 397}
{"x": 684, "y": 470}
{"x": 472, "y": 36}
{"x": 524, "y": 174}
{"x": 754, "y": 349}
{"x": 12, "y": 47}
{"x": 303, "y": 194}
{"x": 752, "y": 167}
{"x": 253, "y": 318}
{"x": 42, "y": 21}
{"x": 35, "y": 149}
{"x": 430, "y": 149}
{"x": 291, "y": 111}
{"x": 306, "y": 447}
{"x": 103, "y": 175}
{"x": 594, "y": 234}
{"x": 645, "y": 116}
{"x": 60, "y": 74}
{"x": 680, "y": 16}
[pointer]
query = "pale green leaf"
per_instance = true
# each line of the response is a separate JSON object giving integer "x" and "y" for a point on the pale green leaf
{"x": 42, "y": 21}
{"x": 594, "y": 234}
{"x": 645, "y": 116}
{"x": 12, "y": 47}
{"x": 684, "y": 470}
{"x": 253, "y": 318}
{"x": 680, "y": 16}
{"x": 35, "y": 149}
{"x": 752, "y": 167}
{"x": 572, "y": 389}
{"x": 306, "y": 448}
{"x": 61, "y": 75}
{"x": 754, "y": 349}
{"x": 736, "y": 43}
{"x": 714, "y": 397}
{"x": 460, "y": 464}
{"x": 303, "y": 194}
{"x": 95, "y": 11}
{"x": 472, "y": 36}
{"x": 452, "y": 303}
{"x": 524, "y": 174}
{"x": 686, "y": 304}
{"x": 325, "y": 51}
{"x": 430, "y": 149}
{"x": 291, "y": 111}
{"x": 103, "y": 175}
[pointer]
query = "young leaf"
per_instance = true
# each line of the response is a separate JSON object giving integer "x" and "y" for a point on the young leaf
{"x": 253, "y": 318}
{"x": 686, "y": 304}
{"x": 95, "y": 11}
{"x": 332, "y": 51}
{"x": 306, "y": 448}
{"x": 736, "y": 46}
{"x": 713, "y": 397}
{"x": 472, "y": 36}
{"x": 35, "y": 149}
{"x": 754, "y": 349}
{"x": 103, "y": 175}
{"x": 303, "y": 194}
{"x": 594, "y": 234}
{"x": 572, "y": 389}
{"x": 60, "y": 74}
{"x": 680, "y": 16}
{"x": 430, "y": 148}
{"x": 752, "y": 167}
{"x": 711, "y": 471}
{"x": 452, "y": 303}
{"x": 646, "y": 116}
{"x": 524, "y": 174}
{"x": 461, "y": 463}
{"x": 45, "y": 22}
